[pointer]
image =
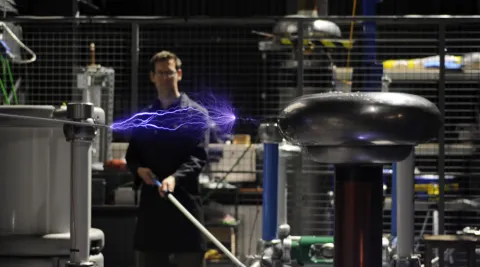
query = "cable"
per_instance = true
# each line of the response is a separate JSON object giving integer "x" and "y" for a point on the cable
{"x": 21, "y": 44}
{"x": 4, "y": 70}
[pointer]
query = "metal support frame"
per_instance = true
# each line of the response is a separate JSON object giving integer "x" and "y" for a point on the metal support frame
{"x": 80, "y": 210}
{"x": 135, "y": 50}
{"x": 81, "y": 138}
{"x": 432, "y": 20}
{"x": 405, "y": 206}
{"x": 441, "y": 134}
{"x": 403, "y": 211}
{"x": 282, "y": 190}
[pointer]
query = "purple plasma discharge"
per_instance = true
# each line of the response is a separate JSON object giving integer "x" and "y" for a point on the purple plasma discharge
{"x": 219, "y": 114}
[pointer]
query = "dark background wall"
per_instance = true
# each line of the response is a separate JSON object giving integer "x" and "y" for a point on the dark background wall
{"x": 224, "y": 59}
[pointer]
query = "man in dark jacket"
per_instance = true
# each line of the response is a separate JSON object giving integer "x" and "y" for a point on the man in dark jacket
{"x": 173, "y": 150}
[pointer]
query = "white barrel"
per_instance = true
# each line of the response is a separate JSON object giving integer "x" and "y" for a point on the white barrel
{"x": 25, "y": 171}
{"x": 59, "y": 198}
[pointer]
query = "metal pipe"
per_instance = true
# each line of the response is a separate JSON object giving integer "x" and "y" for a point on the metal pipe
{"x": 299, "y": 58}
{"x": 358, "y": 215}
{"x": 135, "y": 50}
{"x": 435, "y": 222}
{"x": 389, "y": 20}
{"x": 80, "y": 206}
{"x": 296, "y": 220}
{"x": 270, "y": 188}
{"x": 49, "y": 121}
{"x": 405, "y": 206}
{"x": 282, "y": 190}
{"x": 441, "y": 134}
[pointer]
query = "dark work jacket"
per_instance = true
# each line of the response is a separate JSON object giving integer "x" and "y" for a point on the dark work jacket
{"x": 181, "y": 153}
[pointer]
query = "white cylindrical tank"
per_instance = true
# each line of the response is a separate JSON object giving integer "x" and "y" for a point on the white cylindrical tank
{"x": 25, "y": 172}
{"x": 59, "y": 197}
{"x": 35, "y": 166}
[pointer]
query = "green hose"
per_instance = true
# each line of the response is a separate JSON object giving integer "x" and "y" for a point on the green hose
{"x": 4, "y": 90}
{"x": 4, "y": 69}
{"x": 15, "y": 99}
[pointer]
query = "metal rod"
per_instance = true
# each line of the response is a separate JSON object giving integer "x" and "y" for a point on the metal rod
{"x": 80, "y": 206}
{"x": 202, "y": 228}
{"x": 434, "y": 19}
{"x": 435, "y": 220}
{"x": 441, "y": 134}
{"x": 135, "y": 49}
{"x": 299, "y": 59}
{"x": 296, "y": 220}
{"x": 270, "y": 189}
{"x": 282, "y": 190}
{"x": 358, "y": 215}
{"x": 405, "y": 207}
{"x": 49, "y": 121}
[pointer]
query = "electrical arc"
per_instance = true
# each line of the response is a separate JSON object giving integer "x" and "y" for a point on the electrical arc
{"x": 174, "y": 119}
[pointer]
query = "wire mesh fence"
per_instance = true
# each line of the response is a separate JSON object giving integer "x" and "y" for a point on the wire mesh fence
{"x": 435, "y": 58}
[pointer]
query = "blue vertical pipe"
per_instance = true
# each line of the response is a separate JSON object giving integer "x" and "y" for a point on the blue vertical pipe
{"x": 369, "y": 31}
{"x": 270, "y": 191}
{"x": 394, "y": 201}
{"x": 373, "y": 70}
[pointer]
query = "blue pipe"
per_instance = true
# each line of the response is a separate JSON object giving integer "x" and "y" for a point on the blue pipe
{"x": 369, "y": 31}
{"x": 270, "y": 190}
{"x": 394, "y": 200}
{"x": 373, "y": 70}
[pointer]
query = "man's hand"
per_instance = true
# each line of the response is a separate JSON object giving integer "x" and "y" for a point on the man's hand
{"x": 168, "y": 185}
{"x": 146, "y": 174}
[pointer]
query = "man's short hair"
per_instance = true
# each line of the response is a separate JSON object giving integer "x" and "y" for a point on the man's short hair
{"x": 165, "y": 56}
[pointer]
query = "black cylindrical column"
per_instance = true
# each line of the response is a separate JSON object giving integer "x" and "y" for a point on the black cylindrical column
{"x": 358, "y": 215}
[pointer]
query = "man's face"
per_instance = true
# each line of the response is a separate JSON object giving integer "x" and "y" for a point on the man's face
{"x": 166, "y": 76}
